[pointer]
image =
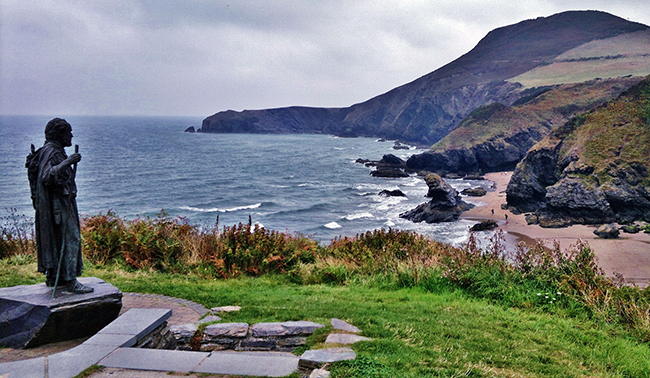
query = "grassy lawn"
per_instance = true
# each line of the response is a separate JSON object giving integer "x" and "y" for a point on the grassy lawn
{"x": 440, "y": 332}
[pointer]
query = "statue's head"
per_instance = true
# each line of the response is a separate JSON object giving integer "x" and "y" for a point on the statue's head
{"x": 59, "y": 130}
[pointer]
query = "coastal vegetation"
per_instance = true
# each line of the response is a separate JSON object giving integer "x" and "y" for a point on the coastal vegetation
{"x": 594, "y": 169}
{"x": 431, "y": 309}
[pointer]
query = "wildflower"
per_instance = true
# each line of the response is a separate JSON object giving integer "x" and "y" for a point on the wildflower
{"x": 546, "y": 297}
{"x": 539, "y": 294}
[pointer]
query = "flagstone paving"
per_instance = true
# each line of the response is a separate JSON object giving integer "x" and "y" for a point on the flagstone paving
{"x": 111, "y": 348}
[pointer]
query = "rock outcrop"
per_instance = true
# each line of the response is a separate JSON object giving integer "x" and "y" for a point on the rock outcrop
{"x": 607, "y": 231}
{"x": 486, "y": 225}
{"x": 592, "y": 170}
{"x": 389, "y": 166}
{"x": 474, "y": 192}
{"x": 445, "y": 205}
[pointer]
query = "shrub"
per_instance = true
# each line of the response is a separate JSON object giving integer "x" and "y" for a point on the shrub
{"x": 16, "y": 234}
{"x": 174, "y": 245}
{"x": 102, "y": 237}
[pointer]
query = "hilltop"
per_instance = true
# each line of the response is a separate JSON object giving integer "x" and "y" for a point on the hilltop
{"x": 504, "y": 66}
{"x": 593, "y": 169}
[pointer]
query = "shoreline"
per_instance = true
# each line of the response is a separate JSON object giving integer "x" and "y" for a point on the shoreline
{"x": 628, "y": 255}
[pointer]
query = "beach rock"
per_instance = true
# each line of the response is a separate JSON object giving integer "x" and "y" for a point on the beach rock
{"x": 400, "y": 146}
{"x": 445, "y": 205}
{"x": 389, "y": 173}
{"x": 485, "y": 225}
{"x": 392, "y": 193}
{"x": 30, "y": 317}
{"x": 630, "y": 228}
{"x": 474, "y": 192}
{"x": 607, "y": 231}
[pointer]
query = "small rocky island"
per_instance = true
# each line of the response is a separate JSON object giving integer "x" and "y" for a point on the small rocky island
{"x": 446, "y": 204}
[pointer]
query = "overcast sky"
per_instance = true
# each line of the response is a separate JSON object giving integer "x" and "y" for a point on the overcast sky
{"x": 183, "y": 57}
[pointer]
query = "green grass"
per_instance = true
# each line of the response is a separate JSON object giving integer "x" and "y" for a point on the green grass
{"x": 438, "y": 332}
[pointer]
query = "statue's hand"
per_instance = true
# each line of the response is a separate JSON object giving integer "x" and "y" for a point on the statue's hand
{"x": 72, "y": 159}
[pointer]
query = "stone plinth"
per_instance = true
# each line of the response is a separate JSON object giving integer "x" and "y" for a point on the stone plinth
{"x": 30, "y": 317}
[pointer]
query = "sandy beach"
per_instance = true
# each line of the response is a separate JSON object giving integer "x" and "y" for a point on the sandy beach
{"x": 628, "y": 255}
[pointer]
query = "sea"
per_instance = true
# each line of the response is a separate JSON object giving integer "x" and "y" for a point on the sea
{"x": 299, "y": 183}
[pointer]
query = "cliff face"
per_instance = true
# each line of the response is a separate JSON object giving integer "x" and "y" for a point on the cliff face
{"x": 593, "y": 169}
{"x": 496, "y": 137}
{"x": 427, "y": 109}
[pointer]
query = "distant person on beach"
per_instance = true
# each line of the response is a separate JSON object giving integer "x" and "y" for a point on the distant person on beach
{"x": 506, "y": 218}
{"x": 51, "y": 176}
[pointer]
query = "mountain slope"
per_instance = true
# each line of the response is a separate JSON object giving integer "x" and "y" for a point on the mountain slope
{"x": 593, "y": 169}
{"x": 496, "y": 137}
{"x": 427, "y": 109}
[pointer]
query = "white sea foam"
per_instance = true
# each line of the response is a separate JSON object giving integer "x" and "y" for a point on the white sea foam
{"x": 358, "y": 216}
{"x": 220, "y": 210}
{"x": 332, "y": 225}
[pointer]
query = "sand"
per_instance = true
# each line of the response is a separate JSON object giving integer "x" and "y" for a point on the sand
{"x": 628, "y": 255}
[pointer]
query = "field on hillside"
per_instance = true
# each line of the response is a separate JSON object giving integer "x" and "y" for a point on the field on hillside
{"x": 619, "y": 56}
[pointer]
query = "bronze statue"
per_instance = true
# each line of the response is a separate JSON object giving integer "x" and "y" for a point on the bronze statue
{"x": 52, "y": 182}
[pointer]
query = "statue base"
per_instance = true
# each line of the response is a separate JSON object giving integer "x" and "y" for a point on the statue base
{"x": 29, "y": 316}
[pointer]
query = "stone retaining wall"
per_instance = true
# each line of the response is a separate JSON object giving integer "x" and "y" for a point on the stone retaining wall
{"x": 284, "y": 336}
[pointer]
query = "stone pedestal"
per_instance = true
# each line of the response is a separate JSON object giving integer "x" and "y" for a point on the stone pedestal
{"x": 30, "y": 317}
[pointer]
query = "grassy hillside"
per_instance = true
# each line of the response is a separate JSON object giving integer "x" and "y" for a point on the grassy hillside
{"x": 496, "y": 137}
{"x": 551, "y": 107}
{"x": 615, "y": 139}
{"x": 627, "y": 54}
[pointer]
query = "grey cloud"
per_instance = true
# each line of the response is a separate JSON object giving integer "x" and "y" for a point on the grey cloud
{"x": 199, "y": 57}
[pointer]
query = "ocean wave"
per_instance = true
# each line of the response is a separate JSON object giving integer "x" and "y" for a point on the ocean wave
{"x": 332, "y": 225}
{"x": 220, "y": 210}
{"x": 358, "y": 216}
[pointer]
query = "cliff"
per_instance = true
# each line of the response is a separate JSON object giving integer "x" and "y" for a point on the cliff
{"x": 593, "y": 169}
{"x": 427, "y": 109}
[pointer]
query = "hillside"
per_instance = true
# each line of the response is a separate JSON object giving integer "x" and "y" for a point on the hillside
{"x": 427, "y": 109}
{"x": 593, "y": 169}
{"x": 496, "y": 137}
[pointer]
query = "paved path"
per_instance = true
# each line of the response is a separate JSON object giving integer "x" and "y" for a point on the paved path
{"x": 111, "y": 347}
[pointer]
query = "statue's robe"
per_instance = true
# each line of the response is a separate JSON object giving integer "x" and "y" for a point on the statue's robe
{"x": 57, "y": 219}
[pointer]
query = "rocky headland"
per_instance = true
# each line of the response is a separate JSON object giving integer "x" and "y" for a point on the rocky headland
{"x": 495, "y": 137}
{"x": 594, "y": 169}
